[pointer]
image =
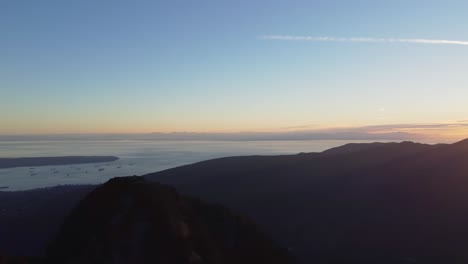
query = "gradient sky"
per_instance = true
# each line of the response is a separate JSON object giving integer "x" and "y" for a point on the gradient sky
{"x": 94, "y": 66}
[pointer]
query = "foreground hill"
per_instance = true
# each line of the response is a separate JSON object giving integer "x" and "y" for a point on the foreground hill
{"x": 360, "y": 203}
{"x": 130, "y": 220}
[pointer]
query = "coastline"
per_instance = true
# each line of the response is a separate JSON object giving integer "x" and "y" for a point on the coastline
{"x": 6, "y": 163}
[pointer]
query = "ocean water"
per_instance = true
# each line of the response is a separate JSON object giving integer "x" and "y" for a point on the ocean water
{"x": 137, "y": 157}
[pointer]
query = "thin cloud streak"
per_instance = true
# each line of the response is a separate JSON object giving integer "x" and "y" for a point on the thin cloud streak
{"x": 365, "y": 40}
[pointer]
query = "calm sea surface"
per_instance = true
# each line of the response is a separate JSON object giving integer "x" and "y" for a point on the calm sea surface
{"x": 137, "y": 157}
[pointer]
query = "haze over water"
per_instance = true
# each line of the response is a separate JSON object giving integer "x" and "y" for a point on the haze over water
{"x": 137, "y": 157}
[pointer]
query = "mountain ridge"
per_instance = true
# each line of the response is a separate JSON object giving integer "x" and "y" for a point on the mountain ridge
{"x": 393, "y": 187}
{"x": 379, "y": 203}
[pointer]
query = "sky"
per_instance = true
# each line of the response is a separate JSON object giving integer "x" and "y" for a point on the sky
{"x": 102, "y": 66}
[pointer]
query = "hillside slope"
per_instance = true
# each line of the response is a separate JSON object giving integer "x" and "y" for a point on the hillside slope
{"x": 367, "y": 203}
{"x": 130, "y": 220}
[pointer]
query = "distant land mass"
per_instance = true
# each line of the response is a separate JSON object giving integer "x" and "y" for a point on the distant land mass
{"x": 354, "y": 134}
{"x": 359, "y": 203}
{"x": 49, "y": 161}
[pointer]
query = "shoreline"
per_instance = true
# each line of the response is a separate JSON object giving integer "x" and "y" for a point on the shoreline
{"x": 6, "y": 163}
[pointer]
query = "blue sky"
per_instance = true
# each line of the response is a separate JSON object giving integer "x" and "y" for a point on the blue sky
{"x": 143, "y": 66}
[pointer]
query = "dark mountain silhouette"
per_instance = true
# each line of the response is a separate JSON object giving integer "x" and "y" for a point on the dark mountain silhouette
{"x": 47, "y": 161}
{"x": 130, "y": 220}
{"x": 360, "y": 203}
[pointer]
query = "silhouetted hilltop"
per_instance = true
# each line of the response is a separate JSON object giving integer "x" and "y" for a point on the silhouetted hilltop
{"x": 130, "y": 220}
{"x": 357, "y": 147}
{"x": 359, "y": 203}
{"x": 463, "y": 142}
{"x": 47, "y": 161}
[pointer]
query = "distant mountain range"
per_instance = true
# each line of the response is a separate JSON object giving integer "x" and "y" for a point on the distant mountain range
{"x": 353, "y": 134}
{"x": 359, "y": 203}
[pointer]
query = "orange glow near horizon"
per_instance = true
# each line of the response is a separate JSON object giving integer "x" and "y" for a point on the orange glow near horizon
{"x": 433, "y": 133}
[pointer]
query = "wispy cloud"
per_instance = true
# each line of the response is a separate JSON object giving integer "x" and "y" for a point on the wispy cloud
{"x": 405, "y": 127}
{"x": 391, "y": 128}
{"x": 365, "y": 40}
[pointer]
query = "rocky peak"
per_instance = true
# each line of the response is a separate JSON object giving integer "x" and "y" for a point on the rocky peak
{"x": 130, "y": 220}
